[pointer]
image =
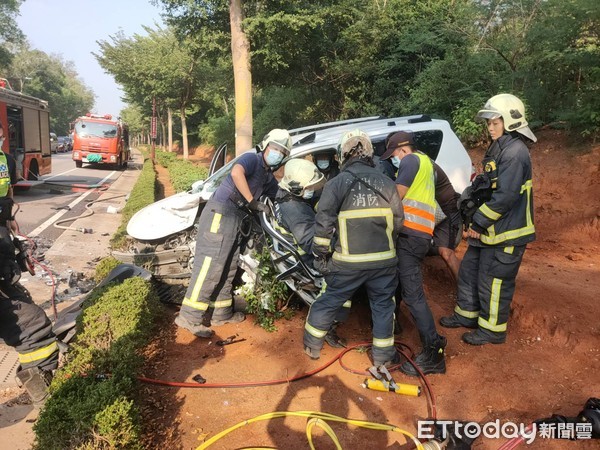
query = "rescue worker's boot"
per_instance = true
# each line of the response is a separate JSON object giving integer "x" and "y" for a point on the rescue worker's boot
{"x": 197, "y": 329}
{"x": 431, "y": 359}
{"x": 236, "y": 317}
{"x": 482, "y": 337}
{"x": 313, "y": 353}
{"x": 36, "y": 382}
{"x": 456, "y": 321}
{"x": 333, "y": 339}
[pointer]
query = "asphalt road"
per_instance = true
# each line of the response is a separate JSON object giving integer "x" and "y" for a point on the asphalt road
{"x": 64, "y": 194}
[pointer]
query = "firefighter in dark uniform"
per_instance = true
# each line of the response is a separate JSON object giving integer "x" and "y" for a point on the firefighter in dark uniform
{"x": 358, "y": 218}
{"x": 23, "y": 324}
{"x": 295, "y": 210}
{"x": 295, "y": 203}
{"x": 219, "y": 238}
{"x": 416, "y": 187}
{"x": 500, "y": 229}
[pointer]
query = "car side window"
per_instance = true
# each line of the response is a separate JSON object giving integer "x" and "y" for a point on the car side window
{"x": 429, "y": 142}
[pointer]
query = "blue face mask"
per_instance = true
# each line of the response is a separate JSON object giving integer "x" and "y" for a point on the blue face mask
{"x": 323, "y": 164}
{"x": 396, "y": 161}
{"x": 308, "y": 195}
{"x": 273, "y": 158}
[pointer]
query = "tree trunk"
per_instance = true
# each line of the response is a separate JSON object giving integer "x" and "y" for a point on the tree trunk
{"x": 170, "y": 128}
{"x": 240, "y": 54}
{"x": 184, "y": 137}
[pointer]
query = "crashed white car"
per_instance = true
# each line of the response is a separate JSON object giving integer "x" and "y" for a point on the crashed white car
{"x": 167, "y": 247}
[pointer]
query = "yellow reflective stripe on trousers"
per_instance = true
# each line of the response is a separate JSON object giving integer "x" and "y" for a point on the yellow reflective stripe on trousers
{"x": 488, "y": 326}
{"x": 193, "y": 300}
{"x": 488, "y": 212}
{"x": 319, "y": 334}
{"x": 468, "y": 314}
{"x": 347, "y": 304}
{"x": 214, "y": 227}
{"x": 221, "y": 303}
{"x": 40, "y": 353}
{"x": 388, "y": 342}
{"x": 509, "y": 249}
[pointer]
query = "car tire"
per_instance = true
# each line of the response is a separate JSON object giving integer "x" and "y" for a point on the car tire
{"x": 79, "y": 164}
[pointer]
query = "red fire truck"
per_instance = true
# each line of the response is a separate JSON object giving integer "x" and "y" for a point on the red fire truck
{"x": 26, "y": 123}
{"x": 100, "y": 139}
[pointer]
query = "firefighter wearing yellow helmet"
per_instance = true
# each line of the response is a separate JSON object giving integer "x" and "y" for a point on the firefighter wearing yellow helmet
{"x": 359, "y": 216}
{"x": 500, "y": 228}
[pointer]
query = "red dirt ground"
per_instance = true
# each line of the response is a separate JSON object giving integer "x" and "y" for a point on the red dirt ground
{"x": 549, "y": 364}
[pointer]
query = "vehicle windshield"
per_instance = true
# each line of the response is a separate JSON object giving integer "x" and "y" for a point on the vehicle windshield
{"x": 95, "y": 129}
{"x": 215, "y": 180}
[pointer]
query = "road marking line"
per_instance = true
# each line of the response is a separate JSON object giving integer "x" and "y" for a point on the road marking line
{"x": 62, "y": 173}
{"x": 61, "y": 213}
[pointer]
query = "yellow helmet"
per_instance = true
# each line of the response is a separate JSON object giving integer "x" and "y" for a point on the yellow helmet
{"x": 278, "y": 138}
{"x": 354, "y": 143}
{"x": 512, "y": 111}
{"x": 300, "y": 175}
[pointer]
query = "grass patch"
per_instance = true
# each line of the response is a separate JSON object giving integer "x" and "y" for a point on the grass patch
{"x": 182, "y": 173}
{"x": 141, "y": 195}
{"x": 89, "y": 409}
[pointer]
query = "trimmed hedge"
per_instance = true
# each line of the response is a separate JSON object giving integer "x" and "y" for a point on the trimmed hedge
{"x": 182, "y": 173}
{"x": 141, "y": 195}
{"x": 89, "y": 409}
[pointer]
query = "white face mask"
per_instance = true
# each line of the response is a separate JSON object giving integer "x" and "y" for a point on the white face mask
{"x": 308, "y": 195}
{"x": 396, "y": 161}
{"x": 323, "y": 164}
{"x": 1, "y": 141}
{"x": 273, "y": 158}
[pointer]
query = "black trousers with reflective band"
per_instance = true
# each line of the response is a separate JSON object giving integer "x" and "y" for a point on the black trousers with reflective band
{"x": 486, "y": 285}
{"x": 25, "y": 326}
{"x": 411, "y": 252}
{"x": 215, "y": 263}
{"x": 380, "y": 285}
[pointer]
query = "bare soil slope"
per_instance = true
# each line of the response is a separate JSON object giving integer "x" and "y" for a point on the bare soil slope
{"x": 550, "y": 363}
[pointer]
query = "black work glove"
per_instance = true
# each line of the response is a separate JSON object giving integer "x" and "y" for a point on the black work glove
{"x": 320, "y": 265}
{"x": 257, "y": 206}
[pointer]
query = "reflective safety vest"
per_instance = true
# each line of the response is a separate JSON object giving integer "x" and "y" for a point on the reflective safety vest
{"x": 4, "y": 175}
{"x": 419, "y": 201}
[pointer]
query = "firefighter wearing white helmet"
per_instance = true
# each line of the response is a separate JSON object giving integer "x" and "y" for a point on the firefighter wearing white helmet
{"x": 295, "y": 204}
{"x": 219, "y": 238}
{"x": 500, "y": 228}
{"x": 359, "y": 216}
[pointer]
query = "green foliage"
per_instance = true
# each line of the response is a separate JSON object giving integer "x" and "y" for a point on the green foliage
{"x": 218, "y": 129}
{"x": 141, "y": 195}
{"x": 92, "y": 396}
{"x": 10, "y": 34}
{"x": 182, "y": 173}
{"x": 105, "y": 265}
{"x": 268, "y": 296}
{"x": 463, "y": 119}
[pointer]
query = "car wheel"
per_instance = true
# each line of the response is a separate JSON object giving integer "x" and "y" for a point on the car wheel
{"x": 78, "y": 164}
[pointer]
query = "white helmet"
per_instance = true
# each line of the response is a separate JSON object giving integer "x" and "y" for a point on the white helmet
{"x": 354, "y": 143}
{"x": 300, "y": 175}
{"x": 512, "y": 111}
{"x": 279, "y": 139}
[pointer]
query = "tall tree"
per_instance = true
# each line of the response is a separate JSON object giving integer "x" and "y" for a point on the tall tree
{"x": 10, "y": 34}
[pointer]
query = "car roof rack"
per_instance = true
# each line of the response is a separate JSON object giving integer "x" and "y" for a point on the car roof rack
{"x": 421, "y": 118}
